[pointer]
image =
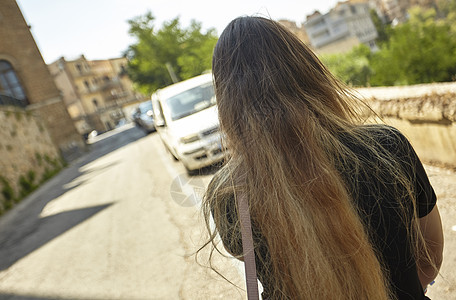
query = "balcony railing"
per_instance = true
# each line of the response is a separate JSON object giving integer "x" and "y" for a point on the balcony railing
{"x": 83, "y": 73}
{"x": 106, "y": 84}
{"x": 118, "y": 103}
{"x": 102, "y": 86}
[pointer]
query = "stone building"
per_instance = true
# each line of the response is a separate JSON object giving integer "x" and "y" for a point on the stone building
{"x": 95, "y": 91}
{"x": 346, "y": 25}
{"x": 297, "y": 29}
{"x": 395, "y": 11}
{"x": 25, "y": 80}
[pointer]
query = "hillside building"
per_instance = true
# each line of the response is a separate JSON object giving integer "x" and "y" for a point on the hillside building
{"x": 396, "y": 11}
{"x": 297, "y": 29}
{"x": 94, "y": 92}
{"x": 345, "y": 26}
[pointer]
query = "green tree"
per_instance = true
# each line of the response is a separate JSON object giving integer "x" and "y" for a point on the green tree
{"x": 185, "y": 51}
{"x": 351, "y": 67}
{"x": 446, "y": 7}
{"x": 383, "y": 29}
{"x": 198, "y": 48}
{"x": 421, "y": 50}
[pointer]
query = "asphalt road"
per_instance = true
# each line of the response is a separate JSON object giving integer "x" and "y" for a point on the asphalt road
{"x": 107, "y": 227}
{"x": 122, "y": 223}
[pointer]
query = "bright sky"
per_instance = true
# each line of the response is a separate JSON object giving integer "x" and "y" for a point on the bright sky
{"x": 99, "y": 29}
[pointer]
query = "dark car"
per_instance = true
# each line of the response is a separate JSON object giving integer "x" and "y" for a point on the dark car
{"x": 144, "y": 117}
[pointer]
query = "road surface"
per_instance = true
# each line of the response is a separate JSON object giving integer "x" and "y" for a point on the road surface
{"x": 107, "y": 227}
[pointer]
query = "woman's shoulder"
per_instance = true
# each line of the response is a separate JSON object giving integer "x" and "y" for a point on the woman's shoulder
{"x": 382, "y": 131}
{"x": 386, "y": 136}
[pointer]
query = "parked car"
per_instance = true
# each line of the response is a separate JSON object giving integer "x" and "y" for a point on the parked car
{"x": 186, "y": 119}
{"x": 144, "y": 117}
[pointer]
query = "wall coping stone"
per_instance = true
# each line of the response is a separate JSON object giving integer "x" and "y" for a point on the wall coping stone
{"x": 409, "y": 91}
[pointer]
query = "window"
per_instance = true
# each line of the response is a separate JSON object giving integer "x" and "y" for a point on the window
{"x": 108, "y": 125}
{"x": 191, "y": 101}
{"x": 79, "y": 67}
{"x": 9, "y": 83}
{"x": 86, "y": 83}
{"x": 320, "y": 35}
{"x": 95, "y": 102}
{"x": 61, "y": 65}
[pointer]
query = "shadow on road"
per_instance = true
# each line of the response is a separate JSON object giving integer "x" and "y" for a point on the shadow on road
{"x": 12, "y": 296}
{"x": 43, "y": 230}
{"x": 24, "y": 297}
{"x": 22, "y": 230}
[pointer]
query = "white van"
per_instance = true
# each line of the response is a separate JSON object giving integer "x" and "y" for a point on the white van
{"x": 186, "y": 119}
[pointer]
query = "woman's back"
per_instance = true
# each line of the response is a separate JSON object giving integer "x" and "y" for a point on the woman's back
{"x": 320, "y": 187}
{"x": 376, "y": 203}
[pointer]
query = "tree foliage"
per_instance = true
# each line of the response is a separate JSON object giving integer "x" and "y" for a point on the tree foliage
{"x": 352, "y": 67}
{"x": 421, "y": 50}
{"x": 446, "y": 8}
{"x": 418, "y": 51}
{"x": 383, "y": 29}
{"x": 185, "y": 51}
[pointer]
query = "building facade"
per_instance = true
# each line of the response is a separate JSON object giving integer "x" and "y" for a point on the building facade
{"x": 94, "y": 92}
{"x": 297, "y": 29}
{"x": 346, "y": 25}
{"x": 395, "y": 11}
{"x": 25, "y": 80}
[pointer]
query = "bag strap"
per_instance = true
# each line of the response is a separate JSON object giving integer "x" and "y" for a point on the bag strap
{"x": 247, "y": 248}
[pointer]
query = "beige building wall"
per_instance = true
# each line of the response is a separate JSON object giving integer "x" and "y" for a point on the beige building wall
{"x": 341, "y": 46}
{"x": 100, "y": 87}
{"x": 299, "y": 31}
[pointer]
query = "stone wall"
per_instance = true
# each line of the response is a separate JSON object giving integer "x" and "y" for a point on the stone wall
{"x": 28, "y": 154}
{"x": 425, "y": 113}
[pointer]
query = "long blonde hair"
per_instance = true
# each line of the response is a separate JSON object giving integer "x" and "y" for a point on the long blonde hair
{"x": 283, "y": 115}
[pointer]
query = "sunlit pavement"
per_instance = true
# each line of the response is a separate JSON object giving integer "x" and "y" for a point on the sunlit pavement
{"x": 122, "y": 223}
{"x": 444, "y": 183}
{"x": 107, "y": 227}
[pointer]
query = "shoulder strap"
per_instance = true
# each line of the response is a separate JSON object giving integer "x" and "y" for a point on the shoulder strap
{"x": 247, "y": 248}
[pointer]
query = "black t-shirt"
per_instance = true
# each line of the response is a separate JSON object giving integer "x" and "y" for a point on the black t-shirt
{"x": 382, "y": 214}
{"x": 379, "y": 211}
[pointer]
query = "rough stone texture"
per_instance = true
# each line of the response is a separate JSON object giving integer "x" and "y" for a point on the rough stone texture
{"x": 427, "y": 108}
{"x": 408, "y": 91}
{"x": 63, "y": 134}
{"x": 426, "y": 114}
{"x": 25, "y": 145}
